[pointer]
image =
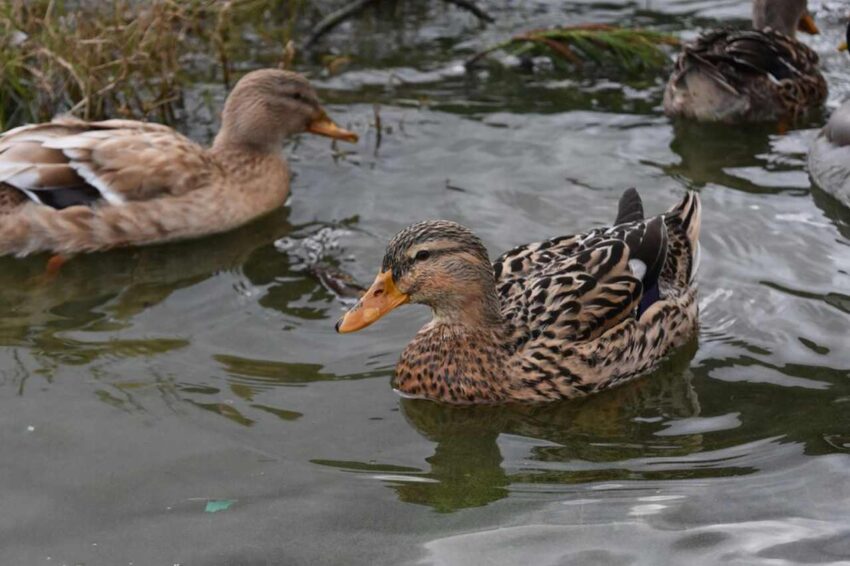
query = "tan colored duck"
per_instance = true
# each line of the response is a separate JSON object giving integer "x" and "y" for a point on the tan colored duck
{"x": 551, "y": 320}
{"x": 757, "y": 75}
{"x": 71, "y": 186}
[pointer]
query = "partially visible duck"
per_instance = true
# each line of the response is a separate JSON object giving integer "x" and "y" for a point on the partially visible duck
{"x": 829, "y": 156}
{"x": 556, "y": 319}
{"x": 72, "y": 186}
{"x": 758, "y": 75}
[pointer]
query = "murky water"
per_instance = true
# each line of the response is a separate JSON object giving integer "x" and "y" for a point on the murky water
{"x": 146, "y": 388}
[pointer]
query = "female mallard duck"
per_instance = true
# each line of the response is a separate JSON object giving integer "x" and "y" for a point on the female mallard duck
{"x": 550, "y": 320}
{"x": 829, "y": 156}
{"x": 757, "y": 75}
{"x": 72, "y": 186}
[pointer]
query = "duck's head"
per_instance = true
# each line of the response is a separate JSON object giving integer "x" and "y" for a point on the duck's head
{"x": 784, "y": 16}
{"x": 436, "y": 263}
{"x": 268, "y": 106}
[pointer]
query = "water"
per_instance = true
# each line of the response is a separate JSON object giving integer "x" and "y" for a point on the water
{"x": 145, "y": 387}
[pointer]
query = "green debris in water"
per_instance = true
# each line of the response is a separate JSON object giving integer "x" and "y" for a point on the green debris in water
{"x": 601, "y": 44}
{"x": 216, "y": 505}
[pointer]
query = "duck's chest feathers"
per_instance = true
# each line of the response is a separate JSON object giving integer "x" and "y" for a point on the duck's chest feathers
{"x": 454, "y": 364}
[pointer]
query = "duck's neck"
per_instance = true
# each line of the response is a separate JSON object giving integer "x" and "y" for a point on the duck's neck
{"x": 776, "y": 15}
{"x": 478, "y": 308}
{"x": 461, "y": 356}
{"x": 247, "y": 137}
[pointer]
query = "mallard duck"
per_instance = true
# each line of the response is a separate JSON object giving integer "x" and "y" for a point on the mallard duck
{"x": 757, "y": 75}
{"x": 829, "y": 156}
{"x": 72, "y": 186}
{"x": 556, "y": 319}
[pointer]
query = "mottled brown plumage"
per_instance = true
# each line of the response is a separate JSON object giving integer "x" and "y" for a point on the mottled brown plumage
{"x": 757, "y": 75}
{"x": 73, "y": 186}
{"x": 551, "y": 320}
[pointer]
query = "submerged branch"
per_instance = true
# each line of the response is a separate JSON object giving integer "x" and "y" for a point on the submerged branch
{"x": 336, "y": 17}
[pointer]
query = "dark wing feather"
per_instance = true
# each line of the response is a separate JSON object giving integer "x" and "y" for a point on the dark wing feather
{"x": 734, "y": 54}
{"x": 631, "y": 207}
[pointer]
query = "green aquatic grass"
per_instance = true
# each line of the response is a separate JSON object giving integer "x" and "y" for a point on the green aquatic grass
{"x": 574, "y": 46}
{"x": 122, "y": 58}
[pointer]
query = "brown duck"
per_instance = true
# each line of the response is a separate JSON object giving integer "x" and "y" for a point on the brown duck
{"x": 72, "y": 186}
{"x": 757, "y": 75}
{"x": 551, "y": 320}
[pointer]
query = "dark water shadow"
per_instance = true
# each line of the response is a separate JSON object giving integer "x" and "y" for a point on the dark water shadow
{"x": 709, "y": 154}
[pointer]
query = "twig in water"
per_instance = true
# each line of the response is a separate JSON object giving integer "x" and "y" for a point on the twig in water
{"x": 335, "y": 18}
{"x": 377, "y": 109}
{"x": 474, "y": 8}
{"x": 451, "y": 187}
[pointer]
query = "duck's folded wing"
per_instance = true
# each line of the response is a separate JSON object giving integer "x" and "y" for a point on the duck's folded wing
{"x": 727, "y": 56}
{"x": 601, "y": 283}
{"x": 69, "y": 162}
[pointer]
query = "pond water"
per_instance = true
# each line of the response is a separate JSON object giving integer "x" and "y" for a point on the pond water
{"x": 191, "y": 404}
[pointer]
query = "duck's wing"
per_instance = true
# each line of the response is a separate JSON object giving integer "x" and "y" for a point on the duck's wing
{"x": 731, "y": 57}
{"x": 576, "y": 288}
{"x": 727, "y": 73}
{"x": 71, "y": 162}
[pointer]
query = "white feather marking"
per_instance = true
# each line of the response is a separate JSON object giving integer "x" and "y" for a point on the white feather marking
{"x": 92, "y": 179}
{"x": 31, "y": 195}
{"x": 638, "y": 267}
{"x": 26, "y": 178}
{"x": 76, "y": 153}
{"x": 11, "y": 168}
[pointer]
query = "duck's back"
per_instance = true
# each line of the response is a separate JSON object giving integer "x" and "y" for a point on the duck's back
{"x": 589, "y": 310}
{"x": 744, "y": 76}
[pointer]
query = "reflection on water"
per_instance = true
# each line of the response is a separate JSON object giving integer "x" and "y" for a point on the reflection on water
{"x": 141, "y": 382}
{"x": 595, "y": 439}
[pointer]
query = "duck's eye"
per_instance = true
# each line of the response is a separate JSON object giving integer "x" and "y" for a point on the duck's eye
{"x": 297, "y": 96}
{"x": 422, "y": 255}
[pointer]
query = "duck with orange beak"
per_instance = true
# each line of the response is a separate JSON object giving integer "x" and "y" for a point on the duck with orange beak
{"x": 71, "y": 186}
{"x": 760, "y": 75}
{"x": 551, "y": 320}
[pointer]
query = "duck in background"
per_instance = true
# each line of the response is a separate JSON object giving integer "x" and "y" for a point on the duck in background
{"x": 551, "y": 320}
{"x": 72, "y": 186}
{"x": 759, "y": 75}
{"x": 829, "y": 156}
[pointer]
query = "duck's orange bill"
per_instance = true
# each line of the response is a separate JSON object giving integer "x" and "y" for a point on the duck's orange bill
{"x": 324, "y": 126}
{"x": 807, "y": 24}
{"x": 382, "y": 297}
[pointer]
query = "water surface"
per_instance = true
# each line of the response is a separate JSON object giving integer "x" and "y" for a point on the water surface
{"x": 145, "y": 388}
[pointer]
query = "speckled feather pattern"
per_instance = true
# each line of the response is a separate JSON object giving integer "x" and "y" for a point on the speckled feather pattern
{"x": 745, "y": 76}
{"x": 569, "y": 319}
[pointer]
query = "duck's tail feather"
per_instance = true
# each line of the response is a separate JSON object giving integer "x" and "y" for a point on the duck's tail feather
{"x": 683, "y": 223}
{"x": 631, "y": 207}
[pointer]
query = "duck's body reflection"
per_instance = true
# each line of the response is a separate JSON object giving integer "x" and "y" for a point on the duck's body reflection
{"x": 467, "y": 465}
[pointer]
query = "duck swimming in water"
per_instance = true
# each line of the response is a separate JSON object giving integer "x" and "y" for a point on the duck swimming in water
{"x": 71, "y": 186}
{"x": 759, "y": 75}
{"x": 556, "y": 319}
